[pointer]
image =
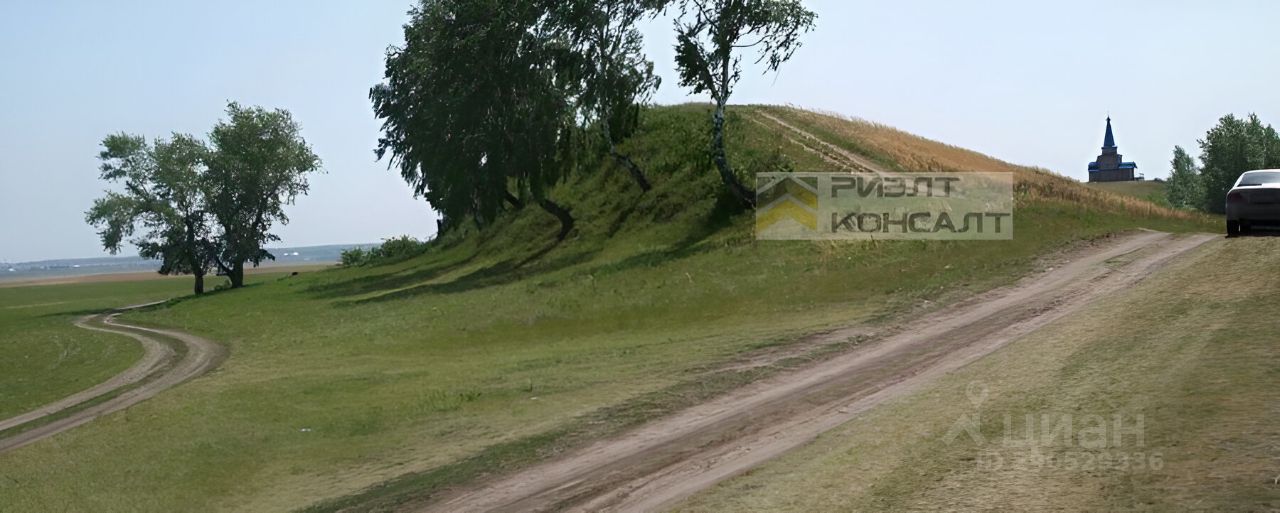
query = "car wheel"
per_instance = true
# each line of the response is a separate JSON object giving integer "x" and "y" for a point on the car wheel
{"x": 1233, "y": 228}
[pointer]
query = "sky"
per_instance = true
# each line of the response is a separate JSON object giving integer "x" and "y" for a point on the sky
{"x": 1026, "y": 82}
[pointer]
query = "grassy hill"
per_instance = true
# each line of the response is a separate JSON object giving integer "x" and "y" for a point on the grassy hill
{"x": 1147, "y": 190}
{"x": 372, "y": 386}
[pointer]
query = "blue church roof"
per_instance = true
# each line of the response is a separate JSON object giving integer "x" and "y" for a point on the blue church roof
{"x": 1093, "y": 166}
{"x": 1109, "y": 141}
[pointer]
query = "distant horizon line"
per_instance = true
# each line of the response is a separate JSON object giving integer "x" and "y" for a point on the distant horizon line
{"x": 102, "y": 257}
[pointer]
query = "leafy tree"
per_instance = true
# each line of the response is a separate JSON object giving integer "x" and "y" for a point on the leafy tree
{"x": 258, "y": 163}
{"x": 479, "y": 99}
{"x": 1186, "y": 190}
{"x": 617, "y": 80}
{"x": 710, "y": 34}
{"x": 1229, "y": 149}
{"x": 164, "y": 193}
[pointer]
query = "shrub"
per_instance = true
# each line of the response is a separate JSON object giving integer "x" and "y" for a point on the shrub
{"x": 354, "y": 256}
{"x": 391, "y": 250}
{"x": 398, "y": 248}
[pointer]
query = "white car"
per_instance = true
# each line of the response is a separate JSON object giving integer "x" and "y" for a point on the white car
{"x": 1253, "y": 201}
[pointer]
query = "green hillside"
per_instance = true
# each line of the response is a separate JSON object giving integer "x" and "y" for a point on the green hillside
{"x": 1152, "y": 191}
{"x": 376, "y": 385}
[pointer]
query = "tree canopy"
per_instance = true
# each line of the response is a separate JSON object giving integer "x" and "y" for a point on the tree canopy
{"x": 477, "y": 101}
{"x": 1230, "y": 148}
{"x": 199, "y": 205}
{"x": 710, "y": 38}
{"x": 616, "y": 78}
{"x": 164, "y": 193}
{"x": 258, "y": 163}
{"x": 1186, "y": 187}
{"x": 489, "y": 104}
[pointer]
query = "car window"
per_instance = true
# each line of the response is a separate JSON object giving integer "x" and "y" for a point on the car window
{"x": 1260, "y": 178}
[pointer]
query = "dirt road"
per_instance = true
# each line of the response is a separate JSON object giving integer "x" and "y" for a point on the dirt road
{"x": 161, "y": 368}
{"x": 657, "y": 465}
{"x": 831, "y": 153}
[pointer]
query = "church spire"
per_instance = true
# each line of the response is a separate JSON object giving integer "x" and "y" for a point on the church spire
{"x": 1110, "y": 140}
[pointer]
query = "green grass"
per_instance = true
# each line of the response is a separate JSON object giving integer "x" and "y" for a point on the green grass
{"x": 51, "y": 358}
{"x": 1152, "y": 191}
{"x": 46, "y": 357}
{"x": 1191, "y": 350}
{"x": 499, "y": 347}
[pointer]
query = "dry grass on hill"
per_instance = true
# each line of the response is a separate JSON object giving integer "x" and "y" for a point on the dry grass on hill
{"x": 903, "y": 151}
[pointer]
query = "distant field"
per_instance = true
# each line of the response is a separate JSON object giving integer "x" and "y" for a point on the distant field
{"x": 45, "y": 271}
{"x": 501, "y": 347}
{"x": 154, "y": 276}
{"x": 1148, "y": 190}
{"x": 1196, "y": 359}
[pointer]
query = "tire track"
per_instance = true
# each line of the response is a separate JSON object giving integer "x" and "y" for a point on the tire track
{"x": 160, "y": 369}
{"x": 825, "y": 150}
{"x": 656, "y": 466}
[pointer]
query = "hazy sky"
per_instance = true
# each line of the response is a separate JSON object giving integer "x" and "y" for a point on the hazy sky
{"x": 1028, "y": 82}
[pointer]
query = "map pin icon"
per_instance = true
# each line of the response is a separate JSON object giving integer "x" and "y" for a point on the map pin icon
{"x": 976, "y": 392}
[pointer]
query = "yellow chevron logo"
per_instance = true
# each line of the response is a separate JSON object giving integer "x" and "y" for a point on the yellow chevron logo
{"x": 803, "y": 190}
{"x": 779, "y": 199}
{"x": 786, "y": 209}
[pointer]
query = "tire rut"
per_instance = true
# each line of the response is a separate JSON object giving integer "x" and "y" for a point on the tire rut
{"x": 829, "y": 152}
{"x": 160, "y": 369}
{"x": 657, "y": 465}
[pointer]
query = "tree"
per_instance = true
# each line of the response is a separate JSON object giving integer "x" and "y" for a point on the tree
{"x": 164, "y": 192}
{"x": 709, "y": 36}
{"x": 1186, "y": 190}
{"x": 477, "y": 101}
{"x": 1229, "y": 149}
{"x": 617, "y": 80}
{"x": 258, "y": 163}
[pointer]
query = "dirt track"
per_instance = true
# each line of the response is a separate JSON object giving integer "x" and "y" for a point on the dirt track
{"x": 657, "y": 465}
{"x": 159, "y": 369}
{"x": 831, "y": 153}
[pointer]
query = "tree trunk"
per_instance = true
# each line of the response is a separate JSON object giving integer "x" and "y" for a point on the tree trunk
{"x": 195, "y": 255}
{"x": 744, "y": 196}
{"x": 636, "y": 173}
{"x": 513, "y": 200}
{"x": 566, "y": 219}
{"x": 625, "y": 161}
{"x": 236, "y": 275}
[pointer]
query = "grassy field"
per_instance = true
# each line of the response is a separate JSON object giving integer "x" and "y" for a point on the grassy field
{"x": 51, "y": 358}
{"x": 1191, "y": 351}
{"x": 500, "y": 347}
{"x": 1152, "y": 191}
{"x": 46, "y": 358}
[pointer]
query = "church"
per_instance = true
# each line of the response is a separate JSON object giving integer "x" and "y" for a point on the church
{"x": 1110, "y": 166}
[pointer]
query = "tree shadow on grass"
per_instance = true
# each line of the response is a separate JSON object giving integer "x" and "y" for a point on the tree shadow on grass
{"x": 721, "y": 217}
{"x": 159, "y": 305}
{"x": 512, "y": 270}
{"x": 392, "y": 279}
{"x": 501, "y": 273}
